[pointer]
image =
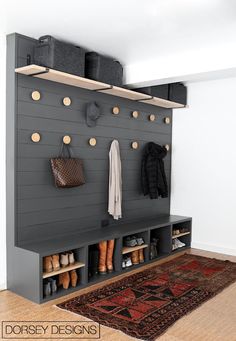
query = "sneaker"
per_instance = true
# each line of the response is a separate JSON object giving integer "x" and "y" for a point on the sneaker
{"x": 140, "y": 241}
{"x": 123, "y": 264}
{"x": 128, "y": 262}
{"x": 130, "y": 241}
{"x": 174, "y": 245}
{"x": 179, "y": 243}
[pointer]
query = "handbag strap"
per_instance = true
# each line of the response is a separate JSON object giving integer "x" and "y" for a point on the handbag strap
{"x": 62, "y": 151}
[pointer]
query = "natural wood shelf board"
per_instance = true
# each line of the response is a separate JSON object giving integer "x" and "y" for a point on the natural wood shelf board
{"x": 61, "y": 77}
{"x": 76, "y": 265}
{"x": 42, "y": 72}
{"x": 127, "y": 249}
{"x": 180, "y": 235}
{"x": 125, "y": 93}
{"x": 162, "y": 103}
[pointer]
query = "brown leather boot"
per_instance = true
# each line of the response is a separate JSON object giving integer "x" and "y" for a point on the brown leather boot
{"x": 102, "y": 257}
{"x": 73, "y": 278}
{"x": 135, "y": 257}
{"x": 47, "y": 264}
{"x": 64, "y": 280}
{"x": 110, "y": 250}
{"x": 55, "y": 262}
{"x": 141, "y": 256}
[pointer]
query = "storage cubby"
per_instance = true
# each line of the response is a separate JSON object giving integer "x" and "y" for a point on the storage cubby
{"x": 181, "y": 235}
{"x": 73, "y": 274}
{"x": 163, "y": 237}
{"x": 93, "y": 260}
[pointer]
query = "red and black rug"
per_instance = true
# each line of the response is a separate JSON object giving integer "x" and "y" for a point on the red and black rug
{"x": 145, "y": 304}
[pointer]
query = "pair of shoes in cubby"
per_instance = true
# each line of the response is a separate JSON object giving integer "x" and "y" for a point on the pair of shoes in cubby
{"x": 132, "y": 241}
{"x": 51, "y": 263}
{"x": 179, "y": 231}
{"x": 49, "y": 286}
{"x": 176, "y": 244}
{"x": 137, "y": 256}
{"x": 67, "y": 278}
{"x": 67, "y": 258}
{"x": 126, "y": 262}
{"x": 154, "y": 248}
{"x": 55, "y": 262}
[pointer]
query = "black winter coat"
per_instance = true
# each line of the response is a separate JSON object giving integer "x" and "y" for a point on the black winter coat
{"x": 153, "y": 173}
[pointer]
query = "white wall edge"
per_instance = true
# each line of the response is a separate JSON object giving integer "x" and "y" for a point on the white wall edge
{"x": 3, "y": 286}
{"x": 213, "y": 248}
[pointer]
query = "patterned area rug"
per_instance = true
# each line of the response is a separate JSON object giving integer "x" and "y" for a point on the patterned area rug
{"x": 145, "y": 304}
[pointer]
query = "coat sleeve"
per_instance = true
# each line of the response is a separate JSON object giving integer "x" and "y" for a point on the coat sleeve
{"x": 144, "y": 178}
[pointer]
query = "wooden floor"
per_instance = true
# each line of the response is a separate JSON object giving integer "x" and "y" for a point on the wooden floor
{"x": 213, "y": 321}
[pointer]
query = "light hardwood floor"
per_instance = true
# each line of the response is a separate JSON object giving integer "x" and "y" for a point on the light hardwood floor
{"x": 215, "y": 320}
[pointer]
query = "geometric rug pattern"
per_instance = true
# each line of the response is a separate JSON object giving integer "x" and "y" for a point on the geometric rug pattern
{"x": 145, "y": 304}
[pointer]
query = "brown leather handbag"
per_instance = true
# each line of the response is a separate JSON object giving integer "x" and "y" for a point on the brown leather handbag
{"x": 67, "y": 171}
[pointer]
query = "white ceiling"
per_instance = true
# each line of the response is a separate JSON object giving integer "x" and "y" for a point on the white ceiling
{"x": 132, "y": 31}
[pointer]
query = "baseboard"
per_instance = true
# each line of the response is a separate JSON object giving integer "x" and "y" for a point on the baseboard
{"x": 213, "y": 248}
{"x": 3, "y": 286}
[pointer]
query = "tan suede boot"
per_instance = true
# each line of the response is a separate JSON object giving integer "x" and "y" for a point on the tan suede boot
{"x": 135, "y": 257}
{"x": 110, "y": 250}
{"x": 55, "y": 262}
{"x": 47, "y": 264}
{"x": 141, "y": 256}
{"x": 102, "y": 257}
{"x": 64, "y": 280}
{"x": 71, "y": 257}
{"x": 73, "y": 278}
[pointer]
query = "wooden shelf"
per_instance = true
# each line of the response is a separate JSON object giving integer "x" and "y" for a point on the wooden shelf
{"x": 164, "y": 103}
{"x": 126, "y": 93}
{"x": 76, "y": 265}
{"x": 61, "y": 77}
{"x": 180, "y": 235}
{"x": 42, "y": 72}
{"x": 127, "y": 249}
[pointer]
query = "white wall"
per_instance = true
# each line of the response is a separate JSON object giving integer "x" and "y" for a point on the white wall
{"x": 2, "y": 162}
{"x": 204, "y": 164}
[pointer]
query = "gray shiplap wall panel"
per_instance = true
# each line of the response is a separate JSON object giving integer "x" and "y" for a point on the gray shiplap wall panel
{"x": 44, "y": 191}
{"x": 44, "y": 210}
{"x": 46, "y": 178}
{"x": 64, "y": 127}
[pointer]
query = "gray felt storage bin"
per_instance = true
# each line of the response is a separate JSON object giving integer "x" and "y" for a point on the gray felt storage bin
{"x": 103, "y": 69}
{"x": 178, "y": 93}
{"x": 160, "y": 91}
{"x": 61, "y": 56}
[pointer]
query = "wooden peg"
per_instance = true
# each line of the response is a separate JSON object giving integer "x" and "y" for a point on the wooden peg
{"x": 134, "y": 145}
{"x": 167, "y": 120}
{"x": 66, "y": 101}
{"x": 35, "y": 95}
{"x": 135, "y": 114}
{"x": 115, "y": 110}
{"x": 167, "y": 147}
{"x": 66, "y": 139}
{"x": 92, "y": 142}
{"x": 35, "y": 137}
{"x": 152, "y": 117}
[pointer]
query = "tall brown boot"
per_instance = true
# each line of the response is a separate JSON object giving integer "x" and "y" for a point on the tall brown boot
{"x": 110, "y": 250}
{"x": 102, "y": 257}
